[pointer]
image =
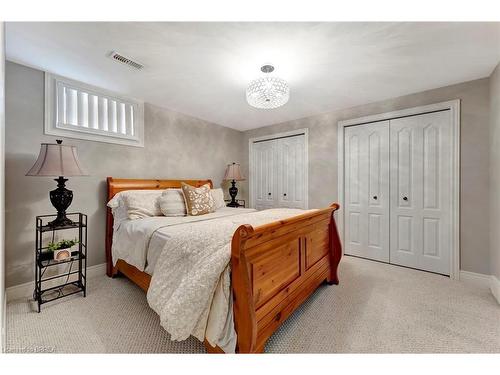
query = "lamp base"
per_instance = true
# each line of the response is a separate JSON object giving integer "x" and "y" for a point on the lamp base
{"x": 61, "y": 222}
{"x": 233, "y": 192}
{"x": 61, "y": 199}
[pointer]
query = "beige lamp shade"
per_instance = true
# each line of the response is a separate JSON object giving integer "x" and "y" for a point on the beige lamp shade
{"x": 233, "y": 172}
{"x": 57, "y": 160}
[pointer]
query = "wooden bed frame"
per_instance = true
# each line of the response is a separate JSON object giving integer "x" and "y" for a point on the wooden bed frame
{"x": 275, "y": 267}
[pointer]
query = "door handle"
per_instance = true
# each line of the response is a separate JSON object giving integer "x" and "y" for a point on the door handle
{"x": 375, "y": 197}
{"x": 268, "y": 193}
{"x": 405, "y": 198}
{"x": 284, "y": 194}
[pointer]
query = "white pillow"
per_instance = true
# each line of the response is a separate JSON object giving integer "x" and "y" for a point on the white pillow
{"x": 218, "y": 196}
{"x": 138, "y": 203}
{"x": 172, "y": 203}
{"x": 119, "y": 214}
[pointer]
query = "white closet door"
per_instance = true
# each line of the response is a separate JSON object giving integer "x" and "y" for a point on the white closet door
{"x": 367, "y": 190}
{"x": 264, "y": 174}
{"x": 420, "y": 192}
{"x": 291, "y": 172}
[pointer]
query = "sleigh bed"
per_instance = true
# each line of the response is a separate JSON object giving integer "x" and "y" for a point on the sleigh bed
{"x": 274, "y": 267}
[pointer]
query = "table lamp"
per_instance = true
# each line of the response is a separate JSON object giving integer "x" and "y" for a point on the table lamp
{"x": 58, "y": 160}
{"x": 233, "y": 174}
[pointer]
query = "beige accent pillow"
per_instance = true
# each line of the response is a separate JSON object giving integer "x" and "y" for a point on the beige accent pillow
{"x": 218, "y": 196}
{"x": 172, "y": 203}
{"x": 199, "y": 201}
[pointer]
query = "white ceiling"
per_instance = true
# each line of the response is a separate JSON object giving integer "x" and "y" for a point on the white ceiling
{"x": 202, "y": 69}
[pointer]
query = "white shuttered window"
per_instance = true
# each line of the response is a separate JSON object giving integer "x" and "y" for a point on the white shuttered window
{"x": 77, "y": 110}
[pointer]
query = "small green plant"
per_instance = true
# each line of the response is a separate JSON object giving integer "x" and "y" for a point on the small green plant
{"x": 63, "y": 244}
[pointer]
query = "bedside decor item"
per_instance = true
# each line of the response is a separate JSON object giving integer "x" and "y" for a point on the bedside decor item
{"x": 62, "y": 249}
{"x": 58, "y": 160}
{"x": 233, "y": 174}
{"x": 199, "y": 201}
{"x": 59, "y": 283}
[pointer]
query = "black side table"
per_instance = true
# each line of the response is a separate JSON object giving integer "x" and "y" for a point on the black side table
{"x": 67, "y": 282}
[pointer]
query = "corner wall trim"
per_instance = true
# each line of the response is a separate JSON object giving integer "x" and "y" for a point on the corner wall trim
{"x": 477, "y": 279}
{"x": 495, "y": 287}
{"x": 26, "y": 290}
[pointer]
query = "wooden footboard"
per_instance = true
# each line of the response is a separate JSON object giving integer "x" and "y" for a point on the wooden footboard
{"x": 275, "y": 267}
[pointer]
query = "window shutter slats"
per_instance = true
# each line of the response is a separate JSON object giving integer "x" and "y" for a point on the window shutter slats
{"x": 71, "y": 106}
{"x": 103, "y": 114}
{"x": 93, "y": 112}
{"x": 128, "y": 120}
{"x": 61, "y": 104}
{"x": 78, "y": 108}
{"x": 111, "y": 116}
{"x": 83, "y": 109}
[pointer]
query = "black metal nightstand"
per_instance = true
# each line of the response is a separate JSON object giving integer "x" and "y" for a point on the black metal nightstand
{"x": 44, "y": 260}
{"x": 241, "y": 202}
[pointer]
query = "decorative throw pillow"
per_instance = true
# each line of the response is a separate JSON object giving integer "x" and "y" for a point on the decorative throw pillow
{"x": 172, "y": 203}
{"x": 199, "y": 201}
{"x": 141, "y": 203}
{"x": 218, "y": 196}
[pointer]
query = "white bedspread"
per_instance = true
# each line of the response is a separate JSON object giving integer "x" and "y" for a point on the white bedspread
{"x": 190, "y": 288}
{"x": 140, "y": 242}
{"x": 188, "y": 258}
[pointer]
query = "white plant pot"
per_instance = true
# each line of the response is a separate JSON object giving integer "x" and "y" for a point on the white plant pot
{"x": 62, "y": 254}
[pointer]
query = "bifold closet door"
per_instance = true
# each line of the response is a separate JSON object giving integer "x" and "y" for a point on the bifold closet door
{"x": 421, "y": 191}
{"x": 264, "y": 174}
{"x": 366, "y": 189}
{"x": 291, "y": 172}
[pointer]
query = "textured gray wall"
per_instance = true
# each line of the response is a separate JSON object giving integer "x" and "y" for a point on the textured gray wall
{"x": 495, "y": 172}
{"x": 474, "y": 203}
{"x": 176, "y": 146}
{"x": 179, "y": 146}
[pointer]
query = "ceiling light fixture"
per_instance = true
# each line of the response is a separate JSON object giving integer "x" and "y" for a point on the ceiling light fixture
{"x": 268, "y": 91}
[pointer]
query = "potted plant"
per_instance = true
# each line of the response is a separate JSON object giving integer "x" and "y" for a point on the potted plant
{"x": 61, "y": 249}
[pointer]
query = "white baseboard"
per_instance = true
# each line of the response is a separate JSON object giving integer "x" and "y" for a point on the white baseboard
{"x": 477, "y": 279}
{"x": 26, "y": 290}
{"x": 495, "y": 287}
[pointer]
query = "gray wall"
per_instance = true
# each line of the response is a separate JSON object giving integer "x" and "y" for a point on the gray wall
{"x": 474, "y": 203}
{"x": 179, "y": 146}
{"x": 495, "y": 172}
{"x": 176, "y": 146}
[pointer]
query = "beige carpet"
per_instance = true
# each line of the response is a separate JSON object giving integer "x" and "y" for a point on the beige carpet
{"x": 377, "y": 308}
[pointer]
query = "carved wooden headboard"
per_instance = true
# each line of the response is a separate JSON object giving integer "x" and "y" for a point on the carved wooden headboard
{"x": 115, "y": 185}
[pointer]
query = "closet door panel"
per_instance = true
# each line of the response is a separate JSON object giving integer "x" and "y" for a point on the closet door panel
{"x": 437, "y": 192}
{"x": 367, "y": 191}
{"x": 404, "y": 164}
{"x": 291, "y": 172}
{"x": 355, "y": 210}
{"x": 264, "y": 182}
{"x": 420, "y": 182}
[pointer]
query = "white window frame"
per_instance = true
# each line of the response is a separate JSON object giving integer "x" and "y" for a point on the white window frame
{"x": 55, "y": 128}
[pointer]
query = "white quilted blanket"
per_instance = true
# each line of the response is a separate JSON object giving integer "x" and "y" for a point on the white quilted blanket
{"x": 191, "y": 286}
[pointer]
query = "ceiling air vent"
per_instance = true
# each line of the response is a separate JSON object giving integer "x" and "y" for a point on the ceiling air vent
{"x": 125, "y": 60}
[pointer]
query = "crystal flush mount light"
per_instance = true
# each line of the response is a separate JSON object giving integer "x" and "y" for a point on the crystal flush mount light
{"x": 268, "y": 91}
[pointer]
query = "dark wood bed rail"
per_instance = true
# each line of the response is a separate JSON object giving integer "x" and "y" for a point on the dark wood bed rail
{"x": 274, "y": 267}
